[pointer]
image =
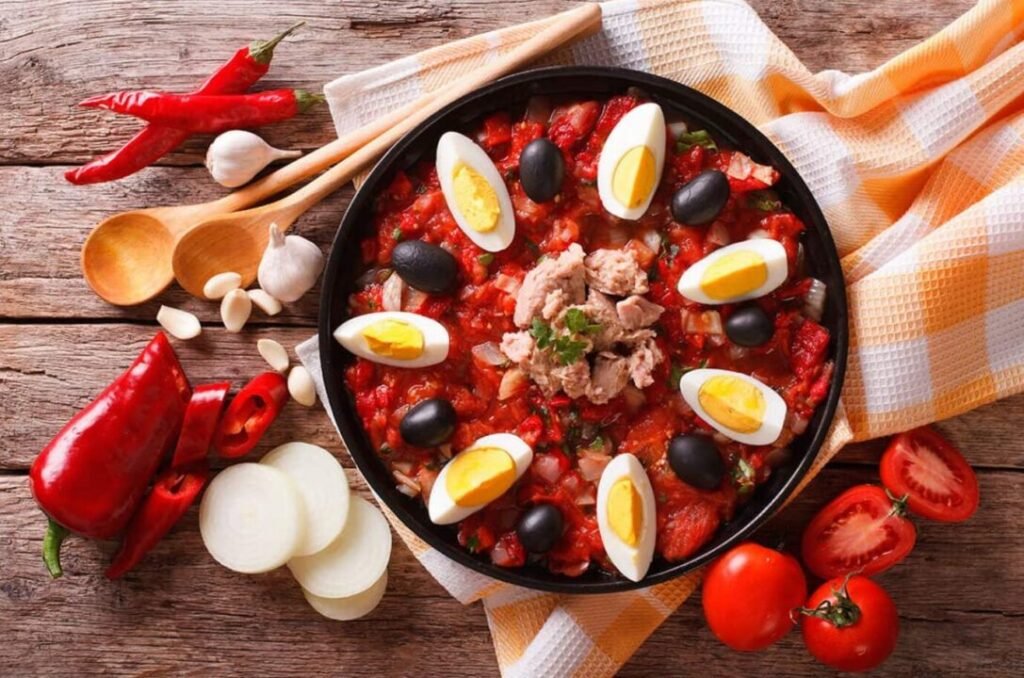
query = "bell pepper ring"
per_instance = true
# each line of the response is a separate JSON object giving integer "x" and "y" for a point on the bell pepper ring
{"x": 201, "y": 419}
{"x": 173, "y": 492}
{"x": 250, "y": 414}
{"x": 94, "y": 473}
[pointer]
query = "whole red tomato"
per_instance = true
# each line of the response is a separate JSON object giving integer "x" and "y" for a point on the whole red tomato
{"x": 749, "y": 595}
{"x": 938, "y": 482}
{"x": 850, "y": 625}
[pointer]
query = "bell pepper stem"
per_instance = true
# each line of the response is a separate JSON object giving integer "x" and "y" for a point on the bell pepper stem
{"x": 55, "y": 535}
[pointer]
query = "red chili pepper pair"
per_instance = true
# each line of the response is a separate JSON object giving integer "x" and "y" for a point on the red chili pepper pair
{"x": 237, "y": 75}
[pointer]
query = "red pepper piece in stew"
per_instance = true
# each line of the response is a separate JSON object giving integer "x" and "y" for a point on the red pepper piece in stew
{"x": 92, "y": 476}
{"x": 250, "y": 414}
{"x": 200, "y": 424}
{"x": 173, "y": 492}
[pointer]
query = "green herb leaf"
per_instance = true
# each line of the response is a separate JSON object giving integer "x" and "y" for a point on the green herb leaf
{"x": 486, "y": 258}
{"x": 542, "y": 333}
{"x": 766, "y": 201}
{"x": 397, "y": 235}
{"x": 744, "y": 476}
{"x": 473, "y": 543}
{"x": 569, "y": 350}
{"x": 675, "y": 374}
{"x": 577, "y": 321}
{"x": 698, "y": 137}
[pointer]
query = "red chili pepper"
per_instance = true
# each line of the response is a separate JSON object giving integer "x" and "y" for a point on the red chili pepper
{"x": 205, "y": 114}
{"x": 91, "y": 477}
{"x": 250, "y": 414}
{"x": 173, "y": 492}
{"x": 200, "y": 424}
{"x": 238, "y": 74}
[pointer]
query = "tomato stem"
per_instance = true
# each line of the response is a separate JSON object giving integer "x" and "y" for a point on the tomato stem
{"x": 844, "y": 612}
{"x": 899, "y": 504}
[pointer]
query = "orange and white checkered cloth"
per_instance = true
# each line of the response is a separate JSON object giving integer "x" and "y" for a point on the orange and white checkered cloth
{"x": 919, "y": 168}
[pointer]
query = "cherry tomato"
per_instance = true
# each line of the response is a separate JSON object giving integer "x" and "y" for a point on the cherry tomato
{"x": 862, "y": 530}
{"x": 749, "y": 595}
{"x": 850, "y": 625}
{"x": 936, "y": 478}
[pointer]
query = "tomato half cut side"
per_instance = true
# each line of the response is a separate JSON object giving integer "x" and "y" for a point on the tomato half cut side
{"x": 862, "y": 530}
{"x": 935, "y": 477}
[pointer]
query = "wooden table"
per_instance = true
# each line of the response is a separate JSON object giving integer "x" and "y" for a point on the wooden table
{"x": 960, "y": 593}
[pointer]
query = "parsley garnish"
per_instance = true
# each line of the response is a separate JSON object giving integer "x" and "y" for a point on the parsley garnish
{"x": 675, "y": 375}
{"x": 473, "y": 543}
{"x": 766, "y": 201}
{"x": 577, "y": 321}
{"x": 542, "y": 333}
{"x": 397, "y": 235}
{"x": 569, "y": 350}
{"x": 698, "y": 137}
{"x": 743, "y": 476}
{"x": 485, "y": 258}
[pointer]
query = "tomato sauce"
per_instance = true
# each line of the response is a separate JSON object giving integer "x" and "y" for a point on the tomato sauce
{"x": 571, "y": 437}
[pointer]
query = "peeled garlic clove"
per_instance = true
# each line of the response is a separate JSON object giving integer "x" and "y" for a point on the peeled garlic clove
{"x": 236, "y": 156}
{"x": 220, "y": 284}
{"x": 264, "y": 301}
{"x": 235, "y": 309}
{"x": 273, "y": 353}
{"x": 179, "y": 324}
{"x": 301, "y": 387}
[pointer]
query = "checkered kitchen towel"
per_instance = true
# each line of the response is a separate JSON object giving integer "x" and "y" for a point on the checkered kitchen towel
{"x": 919, "y": 168}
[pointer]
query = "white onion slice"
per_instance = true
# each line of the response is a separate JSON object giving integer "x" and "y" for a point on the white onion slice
{"x": 814, "y": 300}
{"x": 251, "y": 518}
{"x": 353, "y": 561}
{"x": 352, "y": 607}
{"x": 324, "y": 489}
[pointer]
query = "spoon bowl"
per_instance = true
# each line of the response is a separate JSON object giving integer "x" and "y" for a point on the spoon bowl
{"x": 124, "y": 259}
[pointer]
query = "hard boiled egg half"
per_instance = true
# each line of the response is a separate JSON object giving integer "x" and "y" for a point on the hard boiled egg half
{"x": 626, "y": 516}
{"x": 735, "y": 404}
{"x": 475, "y": 193}
{"x": 629, "y": 170}
{"x": 395, "y": 338}
{"x": 477, "y": 476}
{"x": 743, "y": 270}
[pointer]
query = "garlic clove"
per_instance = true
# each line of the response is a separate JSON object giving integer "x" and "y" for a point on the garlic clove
{"x": 264, "y": 301}
{"x": 274, "y": 353}
{"x": 290, "y": 266}
{"x": 301, "y": 387}
{"x": 236, "y": 156}
{"x": 179, "y": 324}
{"x": 222, "y": 283}
{"x": 235, "y": 309}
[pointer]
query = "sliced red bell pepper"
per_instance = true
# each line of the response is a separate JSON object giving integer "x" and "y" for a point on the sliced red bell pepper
{"x": 94, "y": 473}
{"x": 250, "y": 414}
{"x": 173, "y": 492}
{"x": 200, "y": 424}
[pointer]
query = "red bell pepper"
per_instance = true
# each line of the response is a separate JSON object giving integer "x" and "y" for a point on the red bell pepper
{"x": 200, "y": 424}
{"x": 173, "y": 492}
{"x": 92, "y": 476}
{"x": 250, "y": 414}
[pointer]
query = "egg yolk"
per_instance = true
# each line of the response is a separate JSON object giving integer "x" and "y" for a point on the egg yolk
{"x": 634, "y": 176}
{"x": 476, "y": 199}
{"x": 479, "y": 476}
{"x": 625, "y": 513}
{"x": 733, "y": 403}
{"x": 734, "y": 275}
{"x": 394, "y": 339}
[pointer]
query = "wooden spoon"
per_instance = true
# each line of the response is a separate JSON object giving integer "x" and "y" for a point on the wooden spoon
{"x": 235, "y": 242}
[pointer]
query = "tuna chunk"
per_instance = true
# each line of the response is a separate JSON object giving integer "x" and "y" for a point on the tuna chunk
{"x": 564, "y": 273}
{"x": 574, "y": 378}
{"x": 600, "y": 309}
{"x": 636, "y": 312}
{"x": 615, "y": 272}
{"x": 609, "y": 376}
{"x": 642, "y": 361}
{"x": 517, "y": 346}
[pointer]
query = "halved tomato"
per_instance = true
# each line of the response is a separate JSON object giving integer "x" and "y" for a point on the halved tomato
{"x": 935, "y": 477}
{"x": 863, "y": 530}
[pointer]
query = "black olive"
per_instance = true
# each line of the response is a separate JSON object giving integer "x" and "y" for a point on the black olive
{"x": 541, "y": 170}
{"x": 424, "y": 266}
{"x": 699, "y": 200}
{"x": 749, "y": 326}
{"x": 696, "y": 461}
{"x": 429, "y": 423}
{"x": 540, "y": 528}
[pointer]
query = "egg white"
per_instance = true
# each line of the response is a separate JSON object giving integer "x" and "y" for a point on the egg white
{"x": 453, "y": 148}
{"x": 642, "y": 126}
{"x": 442, "y": 508}
{"x": 773, "y": 253}
{"x": 435, "y": 338}
{"x": 774, "y": 414}
{"x": 632, "y": 561}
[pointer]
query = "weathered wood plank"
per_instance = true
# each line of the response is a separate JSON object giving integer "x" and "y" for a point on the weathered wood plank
{"x": 203, "y": 618}
{"x": 108, "y": 45}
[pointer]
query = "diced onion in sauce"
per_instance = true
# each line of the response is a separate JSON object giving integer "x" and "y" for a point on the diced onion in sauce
{"x": 547, "y": 468}
{"x": 706, "y": 322}
{"x": 592, "y": 465}
{"x": 718, "y": 234}
{"x": 652, "y": 239}
{"x": 514, "y": 381}
{"x": 489, "y": 354}
{"x": 677, "y": 128}
{"x": 408, "y": 483}
{"x": 507, "y": 284}
{"x": 814, "y": 301}
{"x": 392, "y": 292}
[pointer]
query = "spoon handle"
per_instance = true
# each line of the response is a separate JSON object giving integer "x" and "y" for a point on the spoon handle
{"x": 349, "y": 155}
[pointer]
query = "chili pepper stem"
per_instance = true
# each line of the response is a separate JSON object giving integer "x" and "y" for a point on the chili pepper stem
{"x": 304, "y": 99}
{"x": 262, "y": 51}
{"x": 55, "y": 535}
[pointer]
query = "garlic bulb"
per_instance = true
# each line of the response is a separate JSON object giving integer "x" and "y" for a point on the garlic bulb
{"x": 290, "y": 266}
{"x": 235, "y": 157}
